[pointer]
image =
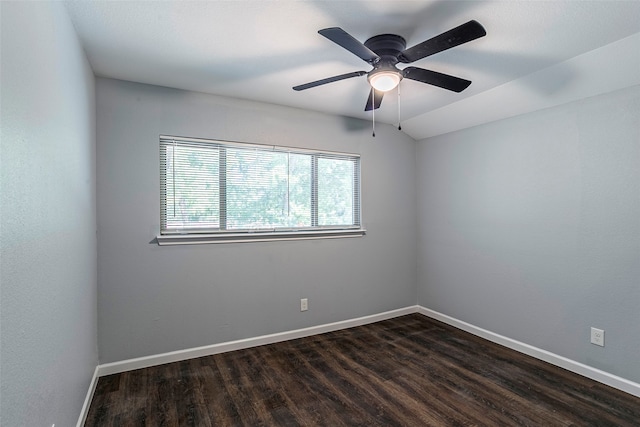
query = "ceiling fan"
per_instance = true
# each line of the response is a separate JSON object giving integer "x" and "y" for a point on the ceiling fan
{"x": 384, "y": 51}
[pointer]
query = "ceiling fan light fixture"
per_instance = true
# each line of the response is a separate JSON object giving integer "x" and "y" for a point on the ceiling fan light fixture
{"x": 384, "y": 81}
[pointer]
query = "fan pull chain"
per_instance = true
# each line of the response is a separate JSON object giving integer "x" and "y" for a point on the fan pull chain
{"x": 399, "y": 127}
{"x": 373, "y": 110}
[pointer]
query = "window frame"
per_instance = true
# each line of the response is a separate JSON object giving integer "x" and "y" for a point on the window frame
{"x": 204, "y": 236}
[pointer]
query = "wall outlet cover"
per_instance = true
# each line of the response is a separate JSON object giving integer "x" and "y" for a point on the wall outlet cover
{"x": 597, "y": 336}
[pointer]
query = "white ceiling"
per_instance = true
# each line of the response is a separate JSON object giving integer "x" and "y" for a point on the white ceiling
{"x": 258, "y": 50}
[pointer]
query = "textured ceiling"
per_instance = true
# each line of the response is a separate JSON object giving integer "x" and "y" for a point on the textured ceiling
{"x": 258, "y": 50}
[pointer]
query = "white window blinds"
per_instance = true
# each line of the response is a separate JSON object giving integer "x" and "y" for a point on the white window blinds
{"x": 220, "y": 187}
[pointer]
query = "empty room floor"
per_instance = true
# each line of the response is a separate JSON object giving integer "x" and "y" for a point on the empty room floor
{"x": 407, "y": 371}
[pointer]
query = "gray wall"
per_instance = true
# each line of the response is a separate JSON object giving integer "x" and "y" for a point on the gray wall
{"x": 530, "y": 228}
{"x": 48, "y": 219}
{"x": 157, "y": 299}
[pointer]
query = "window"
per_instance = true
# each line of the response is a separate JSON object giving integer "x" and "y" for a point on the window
{"x": 215, "y": 191}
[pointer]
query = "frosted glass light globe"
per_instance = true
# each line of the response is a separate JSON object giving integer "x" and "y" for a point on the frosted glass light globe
{"x": 384, "y": 81}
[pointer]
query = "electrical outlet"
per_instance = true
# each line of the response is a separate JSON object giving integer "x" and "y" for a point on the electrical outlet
{"x": 304, "y": 304}
{"x": 597, "y": 337}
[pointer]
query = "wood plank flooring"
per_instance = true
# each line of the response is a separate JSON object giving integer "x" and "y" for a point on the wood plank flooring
{"x": 407, "y": 371}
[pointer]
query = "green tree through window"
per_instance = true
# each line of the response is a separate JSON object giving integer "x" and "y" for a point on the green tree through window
{"x": 212, "y": 186}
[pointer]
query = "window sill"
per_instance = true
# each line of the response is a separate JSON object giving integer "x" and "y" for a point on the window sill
{"x": 270, "y": 236}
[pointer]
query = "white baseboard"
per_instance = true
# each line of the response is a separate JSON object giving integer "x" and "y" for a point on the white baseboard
{"x": 568, "y": 364}
{"x": 88, "y": 399}
{"x": 176, "y": 356}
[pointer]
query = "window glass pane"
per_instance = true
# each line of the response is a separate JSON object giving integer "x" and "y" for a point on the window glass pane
{"x": 335, "y": 191}
{"x": 191, "y": 187}
{"x": 299, "y": 190}
{"x": 267, "y": 189}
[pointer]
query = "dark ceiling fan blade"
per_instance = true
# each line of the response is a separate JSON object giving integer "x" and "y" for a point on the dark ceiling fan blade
{"x": 452, "y": 38}
{"x": 329, "y": 80}
{"x": 434, "y": 78}
{"x": 344, "y": 39}
{"x": 372, "y": 103}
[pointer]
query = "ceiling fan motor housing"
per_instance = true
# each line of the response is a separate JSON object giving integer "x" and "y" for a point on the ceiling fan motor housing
{"x": 388, "y": 47}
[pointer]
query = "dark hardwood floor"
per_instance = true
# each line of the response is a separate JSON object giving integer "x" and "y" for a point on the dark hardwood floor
{"x": 408, "y": 371}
